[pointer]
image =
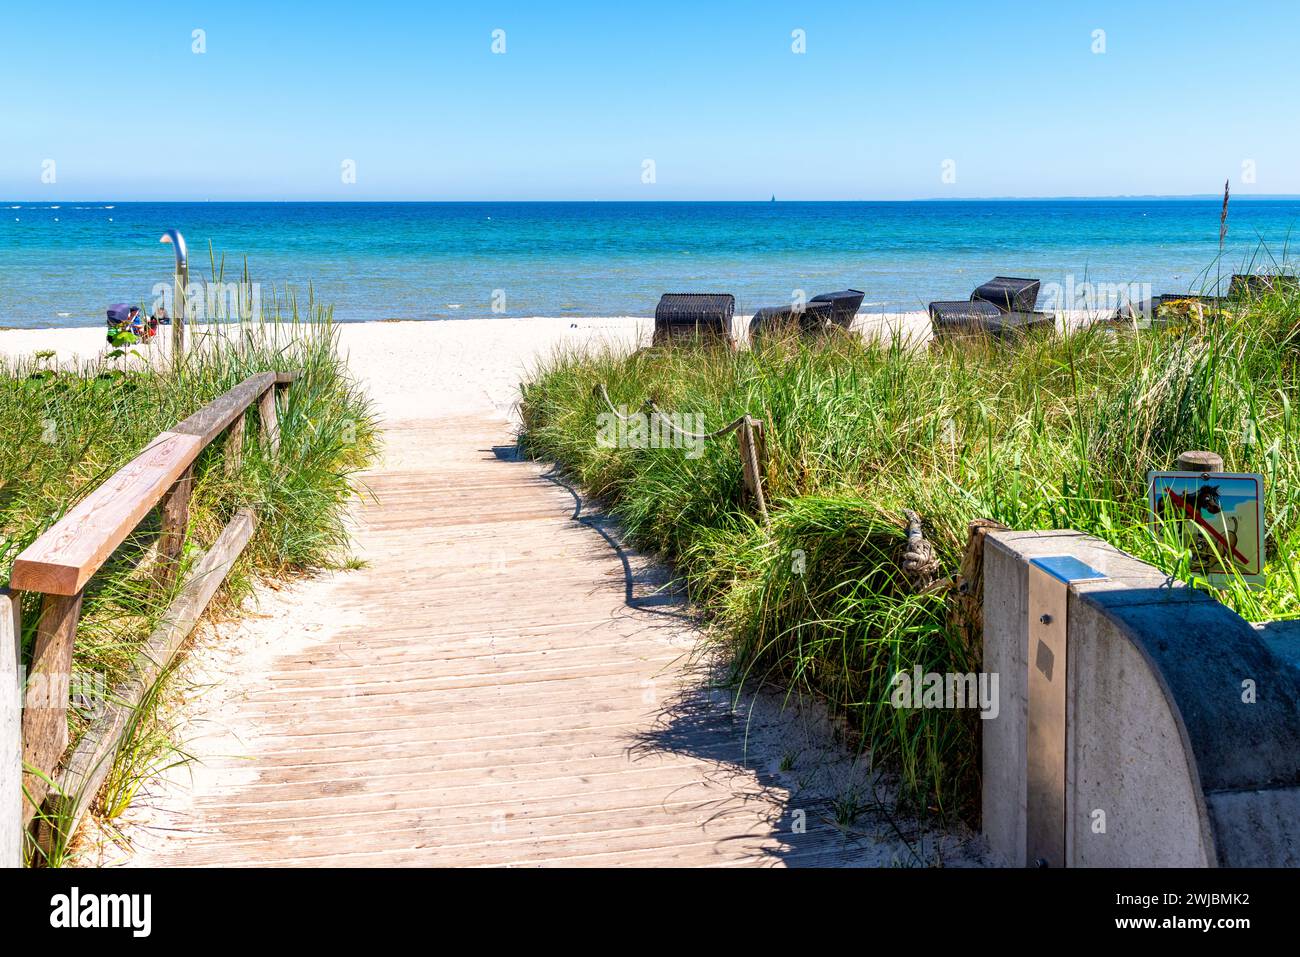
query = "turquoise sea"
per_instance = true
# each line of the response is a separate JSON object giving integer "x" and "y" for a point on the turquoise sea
{"x": 63, "y": 263}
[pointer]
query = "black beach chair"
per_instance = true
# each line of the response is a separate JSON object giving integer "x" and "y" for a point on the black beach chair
{"x": 694, "y": 317}
{"x": 1009, "y": 294}
{"x": 1002, "y": 308}
{"x": 844, "y": 305}
{"x": 816, "y": 318}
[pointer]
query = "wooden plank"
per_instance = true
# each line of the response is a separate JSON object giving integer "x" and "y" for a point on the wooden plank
{"x": 270, "y": 420}
{"x": 93, "y": 757}
{"x": 45, "y": 717}
{"x": 175, "y": 508}
{"x": 62, "y": 560}
{"x": 286, "y": 378}
{"x": 215, "y": 417}
{"x": 11, "y": 732}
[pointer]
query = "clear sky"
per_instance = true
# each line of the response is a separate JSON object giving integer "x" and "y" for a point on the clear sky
{"x": 585, "y": 93}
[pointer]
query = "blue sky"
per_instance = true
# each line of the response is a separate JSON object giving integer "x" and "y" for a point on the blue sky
{"x": 1011, "y": 93}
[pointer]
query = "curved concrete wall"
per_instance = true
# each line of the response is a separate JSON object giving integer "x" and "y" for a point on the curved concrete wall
{"x": 1169, "y": 758}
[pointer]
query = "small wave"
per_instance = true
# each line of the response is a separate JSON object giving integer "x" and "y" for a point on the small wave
{"x": 453, "y": 305}
{"x": 63, "y": 315}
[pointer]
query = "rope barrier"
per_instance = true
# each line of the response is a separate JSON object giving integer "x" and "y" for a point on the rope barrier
{"x": 920, "y": 563}
{"x": 649, "y": 406}
{"x": 745, "y": 427}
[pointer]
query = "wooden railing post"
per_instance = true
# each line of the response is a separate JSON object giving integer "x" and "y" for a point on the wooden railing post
{"x": 11, "y": 732}
{"x": 235, "y": 444}
{"x": 266, "y": 411}
{"x": 45, "y": 718}
{"x": 175, "y": 508}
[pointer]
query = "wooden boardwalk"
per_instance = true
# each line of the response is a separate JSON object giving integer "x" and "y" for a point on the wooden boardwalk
{"x": 501, "y": 684}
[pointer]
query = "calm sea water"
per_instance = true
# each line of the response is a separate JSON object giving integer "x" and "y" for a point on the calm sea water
{"x": 62, "y": 264}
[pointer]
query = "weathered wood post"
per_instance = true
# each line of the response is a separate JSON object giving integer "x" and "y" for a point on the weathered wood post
{"x": 752, "y": 454}
{"x": 11, "y": 732}
{"x": 234, "y": 449}
{"x": 175, "y": 508}
{"x": 1199, "y": 461}
{"x": 45, "y": 718}
{"x": 266, "y": 411}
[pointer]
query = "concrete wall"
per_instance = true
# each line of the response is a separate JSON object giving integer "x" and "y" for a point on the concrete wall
{"x": 1165, "y": 763}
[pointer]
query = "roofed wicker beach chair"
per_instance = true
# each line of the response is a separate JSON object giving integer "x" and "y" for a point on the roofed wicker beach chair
{"x": 1252, "y": 286}
{"x": 844, "y": 303}
{"x": 694, "y": 317}
{"x": 1002, "y": 308}
{"x": 816, "y": 318}
{"x": 1009, "y": 294}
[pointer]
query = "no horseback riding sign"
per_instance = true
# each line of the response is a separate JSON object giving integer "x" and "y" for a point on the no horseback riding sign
{"x": 1219, "y": 516}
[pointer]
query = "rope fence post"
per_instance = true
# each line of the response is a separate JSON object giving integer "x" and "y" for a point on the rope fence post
{"x": 750, "y": 436}
{"x": 749, "y": 432}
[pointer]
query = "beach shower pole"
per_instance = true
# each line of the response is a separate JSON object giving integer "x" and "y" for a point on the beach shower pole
{"x": 174, "y": 237}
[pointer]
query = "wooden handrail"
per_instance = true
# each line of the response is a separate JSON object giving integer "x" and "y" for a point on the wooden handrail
{"x": 63, "y": 559}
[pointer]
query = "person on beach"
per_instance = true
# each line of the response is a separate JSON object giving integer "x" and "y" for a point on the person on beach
{"x": 135, "y": 322}
{"x": 127, "y": 318}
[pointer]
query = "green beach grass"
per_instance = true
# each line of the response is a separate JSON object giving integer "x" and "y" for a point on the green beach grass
{"x": 1057, "y": 432}
{"x": 68, "y": 427}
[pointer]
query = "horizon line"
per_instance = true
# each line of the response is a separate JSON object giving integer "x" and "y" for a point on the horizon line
{"x": 1129, "y": 197}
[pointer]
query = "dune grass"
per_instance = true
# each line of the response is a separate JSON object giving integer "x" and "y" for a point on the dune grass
{"x": 69, "y": 425}
{"x": 1058, "y": 432}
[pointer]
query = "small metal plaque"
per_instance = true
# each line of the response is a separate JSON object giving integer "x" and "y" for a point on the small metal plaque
{"x": 1068, "y": 569}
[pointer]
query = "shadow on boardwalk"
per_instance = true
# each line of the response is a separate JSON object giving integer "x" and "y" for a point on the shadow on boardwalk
{"x": 781, "y": 754}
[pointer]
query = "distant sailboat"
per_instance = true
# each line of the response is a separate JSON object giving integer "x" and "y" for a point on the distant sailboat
{"x": 774, "y": 197}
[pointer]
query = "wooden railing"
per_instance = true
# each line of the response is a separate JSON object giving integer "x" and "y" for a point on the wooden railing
{"x": 61, "y": 562}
